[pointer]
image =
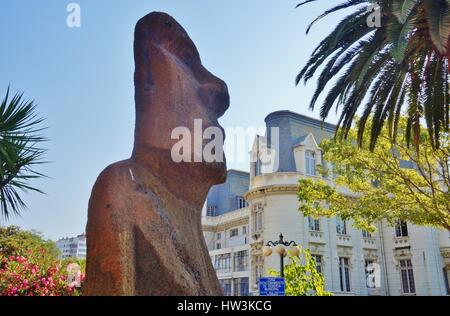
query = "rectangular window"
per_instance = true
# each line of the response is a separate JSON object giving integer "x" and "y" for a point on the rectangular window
{"x": 226, "y": 286}
{"x": 257, "y": 209}
{"x": 407, "y": 277}
{"x": 242, "y": 203}
{"x": 341, "y": 226}
{"x": 314, "y": 224}
{"x": 258, "y": 167}
{"x": 366, "y": 234}
{"x": 344, "y": 274}
{"x": 310, "y": 164}
{"x": 234, "y": 232}
{"x": 257, "y": 221}
{"x": 240, "y": 261}
{"x": 241, "y": 287}
{"x": 217, "y": 263}
{"x": 218, "y": 236}
{"x": 211, "y": 210}
{"x": 218, "y": 245}
{"x": 244, "y": 230}
{"x": 222, "y": 263}
{"x": 401, "y": 229}
{"x": 318, "y": 259}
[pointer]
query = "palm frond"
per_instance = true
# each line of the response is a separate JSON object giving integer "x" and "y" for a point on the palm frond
{"x": 439, "y": 24}
{"x": 402, "y": 9}
{"x": 401, "y": 66}
{"x": 19, "y": 152}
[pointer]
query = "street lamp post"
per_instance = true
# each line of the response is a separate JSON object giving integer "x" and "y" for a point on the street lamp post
{"x": 281, "y": 250}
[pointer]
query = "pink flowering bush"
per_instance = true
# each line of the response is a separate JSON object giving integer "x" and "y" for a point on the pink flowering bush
{"x": 20, "y": 277}
{"x": 29, "y": 266}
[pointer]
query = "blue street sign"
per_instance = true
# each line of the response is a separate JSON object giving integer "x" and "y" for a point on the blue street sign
{"x": 271, "y": 287}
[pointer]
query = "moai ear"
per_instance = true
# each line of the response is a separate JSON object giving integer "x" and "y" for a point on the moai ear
{"x": 149, "y": 35}
{"x": 143, "y": 74}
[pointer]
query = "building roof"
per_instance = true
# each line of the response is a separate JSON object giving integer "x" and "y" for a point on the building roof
{"x": 238, "y": 171}
{"x": 301, "y": 117}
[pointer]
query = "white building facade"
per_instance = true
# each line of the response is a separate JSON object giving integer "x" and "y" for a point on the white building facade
{"x": 74, "y": 247}
{"x": 227, "y": 237}
{"x": 412, "y": 260}
{"x": 226, "y": 231}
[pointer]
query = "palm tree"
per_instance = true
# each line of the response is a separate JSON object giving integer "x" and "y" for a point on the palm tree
{"x": 401, "y": 65}
{"x": 19, "y": 152}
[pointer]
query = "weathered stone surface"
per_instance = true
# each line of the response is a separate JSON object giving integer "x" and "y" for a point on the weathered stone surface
{"x": 144, "y": 232}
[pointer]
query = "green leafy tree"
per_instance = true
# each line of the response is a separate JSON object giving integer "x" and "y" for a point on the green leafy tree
{"x": 401, "y": 64}
{"x": 17, "y": 242}
{"x": 392, "y": 182}
{"x": 301, "y": 276}
{"x": 20, "y": 151}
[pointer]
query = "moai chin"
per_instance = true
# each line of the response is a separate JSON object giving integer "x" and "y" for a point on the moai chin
{"x": 144, "y": 234}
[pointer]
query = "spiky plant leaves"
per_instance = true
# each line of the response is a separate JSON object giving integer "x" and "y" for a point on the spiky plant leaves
{"x": 403, "y": 8}
{"x": 20, "y": 152}
{"x": 401, "y": 66}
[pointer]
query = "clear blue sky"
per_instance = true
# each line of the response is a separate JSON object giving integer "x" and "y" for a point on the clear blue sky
{"x": 82, "y": 80}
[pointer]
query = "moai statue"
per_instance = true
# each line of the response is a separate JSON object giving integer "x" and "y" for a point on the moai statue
{"x": 144, "y": 234}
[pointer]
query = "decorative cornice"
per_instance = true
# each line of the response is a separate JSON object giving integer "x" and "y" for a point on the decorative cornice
{"x": 344, "y": 251}
{"x": 370, "y": 255}
{"x": 226, "y": 225}
{"x": 271, "y": 189}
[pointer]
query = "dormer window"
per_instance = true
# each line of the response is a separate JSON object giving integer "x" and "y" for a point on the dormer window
{"x": 310, "y": 163}
{"x": 211, "y": 210}
{"x": 242, "y": 203}
{"x": 258, "y": 171}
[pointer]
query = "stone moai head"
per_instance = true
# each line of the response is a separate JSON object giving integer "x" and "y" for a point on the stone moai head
{"x": 172, "y": 89}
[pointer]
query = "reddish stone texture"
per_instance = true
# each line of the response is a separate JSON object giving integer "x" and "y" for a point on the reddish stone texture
{"x": 144, "y": 233}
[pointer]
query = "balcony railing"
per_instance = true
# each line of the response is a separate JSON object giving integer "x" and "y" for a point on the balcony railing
{"x": 369, "y": 243}
{"x": 344, "y": 240}
{"x": 316, "y": 237}
{"x": 400, "y": 242}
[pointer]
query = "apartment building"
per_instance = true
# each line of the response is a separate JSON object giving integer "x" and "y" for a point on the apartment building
{"x": 74, "y": 247}
{"x": 413, "y": 260}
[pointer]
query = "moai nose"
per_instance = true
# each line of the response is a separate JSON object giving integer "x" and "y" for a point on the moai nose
{"x": 215, "y": 96}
